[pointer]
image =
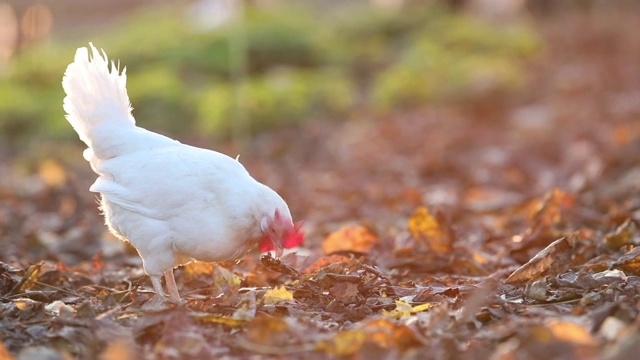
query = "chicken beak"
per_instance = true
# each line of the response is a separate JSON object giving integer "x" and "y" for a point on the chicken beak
{"x": 277, "y": 244}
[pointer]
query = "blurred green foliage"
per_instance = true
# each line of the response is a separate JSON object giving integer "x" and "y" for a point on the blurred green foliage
{"x": 299, "y": 65}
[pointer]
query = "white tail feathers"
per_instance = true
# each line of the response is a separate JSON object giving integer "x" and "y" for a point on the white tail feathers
{"x": 97, "y": 99}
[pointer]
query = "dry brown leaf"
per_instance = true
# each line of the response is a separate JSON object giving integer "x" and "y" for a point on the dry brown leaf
{"x": 548, "y": 210}
{"x": 629, "y": 262}
{"x": 550, "y": 261}
{"x": 622, "y": 235}
{"x": 350, "y": 238}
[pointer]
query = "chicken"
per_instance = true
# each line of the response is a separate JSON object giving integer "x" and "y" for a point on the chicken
{"x": 173, "y": 202}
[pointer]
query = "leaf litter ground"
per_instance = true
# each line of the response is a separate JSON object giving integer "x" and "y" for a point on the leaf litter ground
{"x": 503, "y": 227}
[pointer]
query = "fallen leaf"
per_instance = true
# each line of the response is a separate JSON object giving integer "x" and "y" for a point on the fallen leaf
{"x": 629, "y": 262}
{"x": 219, "y": 319}
{"x": 276, "y": 295}
{"x": 4, "y": 353}
{"x": 350, "y": 238}
{"x": 29, "y": 279}
{"x": 197, "y": 268}
{"x": 571, "y": 332}
{"x": 224, "y": 277}
{"x": 423, "y": 224}
{"x": 552, "y": 260}
{"x": 277, "y": 265}
{"x": 622, "y": 235}
{"x": 403, "y": 309}
{"x": 548, "y": 210}
{"x": 345, "y": 291}
{"x": 388, "y": 334}
{"x": 325, "y": 261}
{"x": 344, "y": 343}
{"x": 268, "y": 330}
{"x": 118, "y": 350}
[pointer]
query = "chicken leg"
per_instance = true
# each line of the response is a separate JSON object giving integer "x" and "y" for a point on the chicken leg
{"x": 171, "y": 285}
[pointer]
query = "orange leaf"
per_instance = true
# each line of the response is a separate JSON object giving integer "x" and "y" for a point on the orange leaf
{"x": 119, "y": 349}
{"x": 4, "y": 353}
{"x": 349, "y": 238}
{"x": 388, "y": 334}
{"x": 326, "y": 260}
{"x": 548, "y": 210}
{"x": 571, "y": 332}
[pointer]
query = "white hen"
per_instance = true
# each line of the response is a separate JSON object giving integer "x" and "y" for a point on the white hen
{"x": 173, "y": 202}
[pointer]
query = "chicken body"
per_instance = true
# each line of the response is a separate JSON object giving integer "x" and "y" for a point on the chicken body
{"x": 173, "y": 202}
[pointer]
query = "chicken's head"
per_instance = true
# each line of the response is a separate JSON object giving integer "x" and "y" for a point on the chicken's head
{"x": 279, "y": 233}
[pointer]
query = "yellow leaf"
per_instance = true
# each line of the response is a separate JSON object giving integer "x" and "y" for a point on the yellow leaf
{"x": 225, "y": 277}
{"x": 218, "y": 319}
{"x": 344, "y": 343}
{"x": 420, "y": 308}
{"x": 423, "y": 224}
{"x": 426, "y": 227}
{"x": 278, "y": 294}
{"x": 403, "y": 309}
{"x": 29, "y": 279}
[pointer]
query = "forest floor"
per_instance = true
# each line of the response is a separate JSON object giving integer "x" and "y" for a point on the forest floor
{"x": 503, "y": 227}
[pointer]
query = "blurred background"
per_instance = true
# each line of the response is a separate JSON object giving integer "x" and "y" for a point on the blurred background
{"x": 215, "y": 68}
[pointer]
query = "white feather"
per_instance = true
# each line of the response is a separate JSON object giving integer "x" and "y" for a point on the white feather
{"x": 172, "y": 201}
